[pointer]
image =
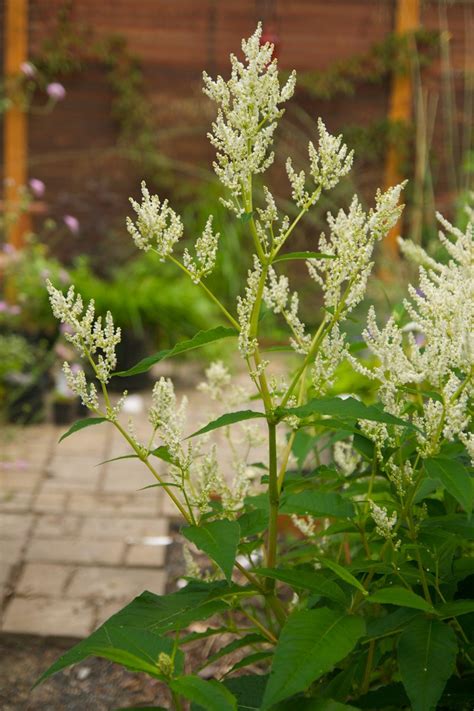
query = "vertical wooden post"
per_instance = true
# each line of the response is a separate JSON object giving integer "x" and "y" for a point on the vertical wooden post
{"x": 15, "y": 135}
{"x": 407, "y": 19}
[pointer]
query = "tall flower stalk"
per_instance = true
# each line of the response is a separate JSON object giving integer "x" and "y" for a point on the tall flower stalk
{"x": 372, "y": 520}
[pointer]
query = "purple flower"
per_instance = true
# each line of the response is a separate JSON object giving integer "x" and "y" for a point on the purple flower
{"x": 66, "y": 328}
{"x": 28, "y": 69}
{"x": 72, "y": 223}
{"x": 3, "y": 306}
{"x": 8, "y": 248}
{"x": 56, "y": 91}
{"x": 37, "y": 187}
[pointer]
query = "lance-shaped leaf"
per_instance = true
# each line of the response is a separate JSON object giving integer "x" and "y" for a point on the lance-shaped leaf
{"x": 454, "y": 477}
{"x": 343, "y": 573}
{"x": 229, "y": 419}
{"x": 344, "y": 408}
{"x": 210, "y": 695}
{"x": 310, "y": 644}
{"x": 290, "y": 256}
{"x": 219, "y": 539}
{"x": 82, "y": 424}
{"x": 396, "y": 595}
{"x": 301, "y": 579}
{"x": 426, "y": 657}
{"x": 200, "y": 339}
{"x": 154, "y": 615}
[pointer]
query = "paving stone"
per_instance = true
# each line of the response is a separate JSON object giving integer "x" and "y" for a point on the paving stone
{"x": 75, "y": 551}
{"x": 57, "y": 526}
{"x": 95, "y": 583}
{"x": 5, "y": 571}
{"x": 19, "y": 479}
{"x": 46, "y": 579}
{"x": 48, "y": 616}
{"x": 15, "y": 500}
{"x": 115, "y": 504}
{"x": 14, "y": 525}
{"x": 127, "y": 475}
{"x": 131, "y": 530}
{"x": 94, "y": 441}
{"x": 50, "y": 502}
{"x": 10, "y": 551}
{"x": 149, "y": 555}
{"x": 66, "y": 472}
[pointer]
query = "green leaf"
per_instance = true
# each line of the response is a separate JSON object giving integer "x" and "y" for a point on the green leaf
{"x": 229, "y": 419}
{"x": 82, "y": 424}
{"x": 200, "y": 339}
{"x": 211, "y": 695}
{"x": 162, "y": 453}
{"x": 343, "y": 573}
{"x": 311, "y": 580}
{"x": 253, "y": 522}
{"x": 251, "y": 659}
{"x": 454, "y": 477}
{"x": 391, "y": 623}
{"x": 455, "y": 608}
{"x": 317, "y": 503}
{"x": 154, "y": 615}
{"x": 396, "y": 595}
{"x": 289, "y": 256}
{"x": 426, "y": 657}
{"x": 219, "y": 539}
{"x": 116, "y": 459}
{"x": 133, "y": 648}
{"x": 248, "y": 690}
{"x": 347, "y": 407}
{"x": 311, "y": 643}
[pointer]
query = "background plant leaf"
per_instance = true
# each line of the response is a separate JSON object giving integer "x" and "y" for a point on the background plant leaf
{"x": 454, "y": 477}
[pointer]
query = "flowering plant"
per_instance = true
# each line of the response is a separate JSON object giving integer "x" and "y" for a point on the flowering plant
{"x": 365, "y": 605}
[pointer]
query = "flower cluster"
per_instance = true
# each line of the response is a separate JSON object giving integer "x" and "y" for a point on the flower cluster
{"x": 247, "y": 116}
{"x": 384, "y": 524}
{"x": 157, "y": 225}
{"x": 330, "y": 162}
{"x": 245, "y": 305}
{"x": 206, "y": 252}
{"x": 343, "y": 277}
{"x": 276, "y": 295}
{"x": 86, "y": 333}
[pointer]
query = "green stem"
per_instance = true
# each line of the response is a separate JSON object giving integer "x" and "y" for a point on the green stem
{"x": 274, "y": 501}
{"x": 209, "y": 293}
{"x": 303, "y": 211}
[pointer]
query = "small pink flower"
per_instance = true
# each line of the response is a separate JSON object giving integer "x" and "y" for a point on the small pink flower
{"x": 3, "y": 306}
{"x": 72, "y": 223}
{"x": 28, "y": 69}
{"x": 75, "y": 368}
{"x": 8, "y": 249}
{"x": 37, "y": 187}
{"x": 15, "y": 310}
{"x": 63, "y": 276}
{"x": 56, "y": 91}
{"x": 66, "y": 328}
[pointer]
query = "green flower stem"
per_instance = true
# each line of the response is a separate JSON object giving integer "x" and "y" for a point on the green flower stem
{"x": 314, "y": 197}
{"x": 207, "y": 291}
{"x": 368, "y": 667}
{"x": 286, "y": 454}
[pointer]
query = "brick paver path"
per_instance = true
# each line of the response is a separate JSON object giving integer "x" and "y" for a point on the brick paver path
{"x": 77, "y": 540}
